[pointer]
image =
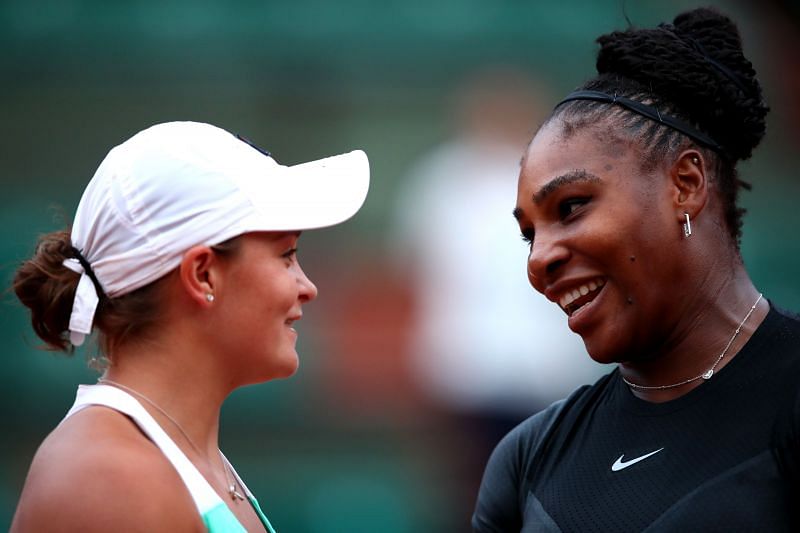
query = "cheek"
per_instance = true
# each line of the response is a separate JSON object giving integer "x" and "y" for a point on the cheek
{"x": 272, "y": 310}
{"x": 283, "y": 292}
{"x": 264, "y": 297}
{"x": 633, "y": 239}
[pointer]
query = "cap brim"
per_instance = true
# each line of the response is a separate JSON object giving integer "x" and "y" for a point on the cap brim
{"x": 316, "y": 194}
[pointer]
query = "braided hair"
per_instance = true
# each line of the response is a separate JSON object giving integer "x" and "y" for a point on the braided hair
{"x": 693, "y": 70}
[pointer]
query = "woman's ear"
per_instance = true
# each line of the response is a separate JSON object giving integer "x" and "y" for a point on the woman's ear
{"x": 689, "y": 183}
{"x": 198, "y": 275}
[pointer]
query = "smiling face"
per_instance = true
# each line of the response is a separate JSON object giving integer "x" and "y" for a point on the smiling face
{"x": 262, "y": 296}
{"x": 604, "y": 243}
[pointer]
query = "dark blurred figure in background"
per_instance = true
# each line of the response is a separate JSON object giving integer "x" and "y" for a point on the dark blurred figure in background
{"x": 485, "y": 351}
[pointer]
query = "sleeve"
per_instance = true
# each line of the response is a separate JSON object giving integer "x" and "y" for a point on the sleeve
{"x": 497, "y": 508}
{"x": 500, "y": 498}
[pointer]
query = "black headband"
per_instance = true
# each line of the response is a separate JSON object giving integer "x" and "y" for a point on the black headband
{"x": 87, "y": 268}
{"x": 646, "y": 111}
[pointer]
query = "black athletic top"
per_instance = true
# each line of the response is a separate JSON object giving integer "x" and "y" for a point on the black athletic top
{"x": 723, "y": 457}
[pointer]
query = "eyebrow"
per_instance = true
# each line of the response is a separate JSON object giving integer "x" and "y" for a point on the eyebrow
{"x": 574, "y": 176}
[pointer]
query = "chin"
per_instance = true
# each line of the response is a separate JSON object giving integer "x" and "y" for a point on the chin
{"x": 603, "y": 352}
{"x": 279, "y": 367}
{"x": 286, "y": 367}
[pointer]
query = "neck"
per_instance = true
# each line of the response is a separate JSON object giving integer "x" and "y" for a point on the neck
{"x": 179, "y": 387}
{"x": 706, "y": 323}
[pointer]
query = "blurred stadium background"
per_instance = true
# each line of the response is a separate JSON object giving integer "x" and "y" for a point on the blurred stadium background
{"x": 350, "y": 443}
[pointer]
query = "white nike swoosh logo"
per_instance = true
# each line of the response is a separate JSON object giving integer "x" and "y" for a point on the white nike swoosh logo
{"x": 619, "y": 464}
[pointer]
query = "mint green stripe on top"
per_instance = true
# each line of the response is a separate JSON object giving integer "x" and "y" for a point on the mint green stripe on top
{"x": 261, "y": 515}
{"x": 220, "y": 519}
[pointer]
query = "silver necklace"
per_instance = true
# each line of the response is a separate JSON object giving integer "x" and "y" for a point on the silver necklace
{"x": 229, "y": 478}
{"x": 708, "y": 373}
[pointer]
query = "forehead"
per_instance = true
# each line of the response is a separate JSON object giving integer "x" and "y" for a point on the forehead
{"x": 260, "y": 239}
{"x": 558, "y": 152}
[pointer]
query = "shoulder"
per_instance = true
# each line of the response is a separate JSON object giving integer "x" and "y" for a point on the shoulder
{"x": 502, "y": 490}
{"x": 778, "y": 336}
{"x": 525, "y": 441}
{"x": 96, "y": 471}
{"x": 787, "y": 323}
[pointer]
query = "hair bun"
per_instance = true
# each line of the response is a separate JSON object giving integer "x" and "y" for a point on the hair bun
{"x": 47, "y": 288}
{"x": 707, "y": 23}
{"x": 696, "y": 67}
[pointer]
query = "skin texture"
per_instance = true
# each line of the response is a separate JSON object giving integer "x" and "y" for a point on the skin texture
{"x": 98, "y": 472}
{"x": 668, "y": 304}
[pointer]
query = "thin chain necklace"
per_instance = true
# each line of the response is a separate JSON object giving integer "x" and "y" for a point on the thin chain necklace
{"x": 229, "y": 478}
{"x": 708, "y": 373}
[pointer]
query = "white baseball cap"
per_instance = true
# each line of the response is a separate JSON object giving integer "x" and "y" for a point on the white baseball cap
{"x": 181, "y": 184}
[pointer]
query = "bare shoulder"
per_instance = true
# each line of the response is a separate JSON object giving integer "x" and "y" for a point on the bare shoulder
{"x": 98, "y": 472}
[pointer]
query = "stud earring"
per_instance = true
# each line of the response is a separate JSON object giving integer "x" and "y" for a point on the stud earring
{"x": 209, "y": 297}
{"x": 696, "y": 160}
{"x": 687, "y": 226}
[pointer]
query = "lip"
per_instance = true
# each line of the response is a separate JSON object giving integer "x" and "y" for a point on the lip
{"x": 289, "y": 322}
{"x": 582, "y": 317}
{"x": 559, "y": 293}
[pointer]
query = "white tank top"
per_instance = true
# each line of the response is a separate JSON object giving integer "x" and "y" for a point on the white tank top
{"x": 216, "y": 515}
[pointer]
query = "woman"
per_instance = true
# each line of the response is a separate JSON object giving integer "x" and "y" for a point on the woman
{"x": 628, "y": 198}
{"x": 183, "y": 255}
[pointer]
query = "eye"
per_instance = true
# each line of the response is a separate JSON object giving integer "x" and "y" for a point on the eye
{"x": 569, "y": 206}
{"x": 290, "y": 254}
{"x": 527, "y": 236}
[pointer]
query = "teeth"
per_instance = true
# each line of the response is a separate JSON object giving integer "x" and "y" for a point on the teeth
{"x": 583, "y": 290}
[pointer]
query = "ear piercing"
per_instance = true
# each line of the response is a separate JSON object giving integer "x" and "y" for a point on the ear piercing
{"x": 687, "y": 226}
{"x": 695, "y": 160}
{"x": 209, "y": 297}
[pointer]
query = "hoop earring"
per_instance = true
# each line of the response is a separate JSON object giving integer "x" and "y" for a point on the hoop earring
{"x": 687, "y": 226}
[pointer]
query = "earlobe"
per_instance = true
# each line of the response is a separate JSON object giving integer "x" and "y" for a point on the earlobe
{"x": 197, "y": 275}
{"x": 690, "y": 185}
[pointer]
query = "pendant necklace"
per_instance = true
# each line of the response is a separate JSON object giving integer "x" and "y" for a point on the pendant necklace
{"x": 229, "y": 477}
{"x": 708, "y": 373}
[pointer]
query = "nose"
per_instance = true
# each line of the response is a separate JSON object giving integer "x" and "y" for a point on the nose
{"x": 308, "y": 291}
{"x": 545, "y": 260}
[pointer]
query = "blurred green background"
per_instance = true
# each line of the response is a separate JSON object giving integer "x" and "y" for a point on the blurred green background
{"x": 346, "y": 444}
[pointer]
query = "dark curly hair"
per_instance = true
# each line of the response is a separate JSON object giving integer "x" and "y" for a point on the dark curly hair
{"x": 694, "y": 70}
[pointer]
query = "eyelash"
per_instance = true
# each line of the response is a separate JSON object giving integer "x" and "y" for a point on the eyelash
{"x": 290, "y": 254}
{"x": 527, "y": 237}
{"x": 566, "y": 209}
